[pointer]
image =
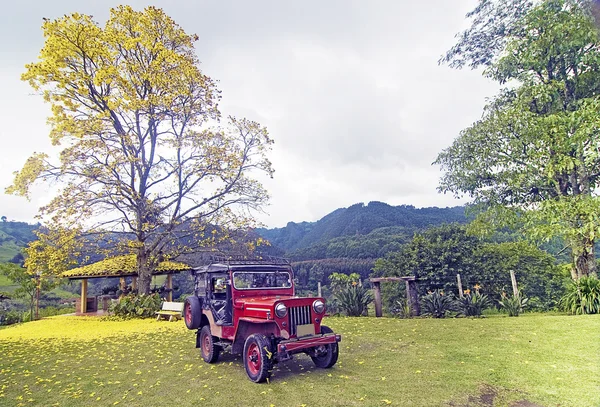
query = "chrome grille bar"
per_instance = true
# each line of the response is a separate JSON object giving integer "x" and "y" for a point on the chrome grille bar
{"x": 299, "y": 316}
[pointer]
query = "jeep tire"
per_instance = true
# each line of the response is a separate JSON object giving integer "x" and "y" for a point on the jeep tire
{"x": 208, "y": 349}
{"x": 192, "y": 312}
{"x": 258, "y": 358}
{"x": 329, "y": 357}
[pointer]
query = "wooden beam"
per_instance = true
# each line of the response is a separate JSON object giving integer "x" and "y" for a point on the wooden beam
{"x": 383, "y": 279}
{"x": 412, "y": 295}
{"x": 169, "y": 287}
{"x": 83, "y": 306}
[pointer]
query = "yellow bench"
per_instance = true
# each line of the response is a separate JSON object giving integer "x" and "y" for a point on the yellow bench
{"x": 172, "y": 310}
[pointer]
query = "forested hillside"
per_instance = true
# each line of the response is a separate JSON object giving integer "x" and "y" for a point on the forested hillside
{"x": 349, "y": 240}
{"x": 360, "y": 219}
{"x": 13, "y": 237}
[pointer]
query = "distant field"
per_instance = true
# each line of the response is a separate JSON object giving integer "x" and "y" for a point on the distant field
{"x": 532, "y": 360}
{"x": 8, "y": 250}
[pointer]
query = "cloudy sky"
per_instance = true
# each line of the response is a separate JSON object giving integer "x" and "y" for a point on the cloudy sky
{"x": 350, "y": 91}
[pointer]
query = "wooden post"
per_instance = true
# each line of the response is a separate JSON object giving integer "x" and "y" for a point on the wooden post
{"x": 169, "y": 287}
{"x": 412, "y": 295}
{"x": 122, "y": 284}
{"x": 460, "y": 290}
{"x": 319, "y": 292}
{"x": 377, "y": 288}
{"x": 513, "y": 279}
{"x": 83, "y": 306}
{"x": 134, "y": 283}
{"x": 37, "y": 297}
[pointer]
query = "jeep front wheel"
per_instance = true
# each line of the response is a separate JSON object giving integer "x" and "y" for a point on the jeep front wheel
{"x": 257, "y": 358}
{"x": 208, "y": 349}
{"x": 325, "y": 356}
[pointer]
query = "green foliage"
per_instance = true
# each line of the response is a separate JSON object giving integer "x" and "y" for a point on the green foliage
{"x": 437, "y": 255}
{"x": 27, "y": 283}
{"x": 402, "y": 309}
{"x": 437, "y": 304}
{"x": 339, "y": 281}
{"x": 514, "y": 304}
{"x": 310, "y": 272}
{"x": 532, "y": 160}
{"x": 136, "y": 306}
{"x": 359, "y": 231}
{"x": 14, "y": 236}
{"x": 10, "y": 317}
{"x": 583, "y": 296}
{"x": 354, "y": 299}
{"x": 472, "y": 304}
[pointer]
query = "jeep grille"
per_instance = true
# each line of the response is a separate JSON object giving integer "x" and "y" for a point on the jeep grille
{"x": 299, "y": 316}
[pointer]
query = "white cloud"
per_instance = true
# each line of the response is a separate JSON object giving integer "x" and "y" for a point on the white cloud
{"x": 350, "y": 90}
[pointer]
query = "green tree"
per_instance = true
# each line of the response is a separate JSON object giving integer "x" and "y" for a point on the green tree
{"x": 533, "y": 159}
{"x": 143, "y": 152}
{"x": 437, "y": 255}
{"x": 29, "y": 284}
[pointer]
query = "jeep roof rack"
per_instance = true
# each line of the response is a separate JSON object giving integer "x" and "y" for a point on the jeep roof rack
{"x": 246, "y": 260}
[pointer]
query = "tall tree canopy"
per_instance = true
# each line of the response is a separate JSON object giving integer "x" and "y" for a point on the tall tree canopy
{"x": 535, "y": 154}
{"x": 143, "y": 151}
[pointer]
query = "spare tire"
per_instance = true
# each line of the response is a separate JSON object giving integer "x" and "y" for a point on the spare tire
{"x": 192, "y": 312}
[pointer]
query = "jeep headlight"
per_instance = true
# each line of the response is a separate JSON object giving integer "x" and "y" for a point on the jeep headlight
{"x": 280, "y": 310}
{"x": 319, "y": 306}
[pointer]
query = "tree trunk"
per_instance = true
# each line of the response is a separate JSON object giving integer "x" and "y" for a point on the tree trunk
{"x": 585, "y": 260}
{"x": 144, "y": 272}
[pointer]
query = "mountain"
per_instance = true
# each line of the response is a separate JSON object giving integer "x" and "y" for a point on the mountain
{"x": 14, "y": 236}
{"x": 358, "y": 220}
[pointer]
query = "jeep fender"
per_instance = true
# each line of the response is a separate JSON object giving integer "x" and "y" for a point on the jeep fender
{"x": 248, "y": 326}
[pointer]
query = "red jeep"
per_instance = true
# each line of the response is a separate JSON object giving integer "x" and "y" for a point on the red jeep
{"x": 250, "y": 306}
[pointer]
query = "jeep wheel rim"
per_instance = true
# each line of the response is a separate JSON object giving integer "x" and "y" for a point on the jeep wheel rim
{"x": 206, "y": 344}
{"x": 188, "y": 314}
{"x": 253, "y": 356}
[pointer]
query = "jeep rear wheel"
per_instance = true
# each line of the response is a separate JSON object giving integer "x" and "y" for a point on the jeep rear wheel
{"x": 208, "y": 349}
{"x": 192, "y": 312}
{"x": 257, "y": 358}
{"x": 325, "y": 355}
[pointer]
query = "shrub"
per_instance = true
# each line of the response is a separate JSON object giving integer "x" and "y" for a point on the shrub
{"x": 51, "y": 311}
{"x": 437, "y": 304}
{"x": 473, "y": 304}
{"x": 583, "y": 296}
{"x": 11, "y": 317}
{"x": 402, "y": 309}
{"x": 353, "y": 299}
{"x": 136, "y": 306}
{"x": 513, "y": 305}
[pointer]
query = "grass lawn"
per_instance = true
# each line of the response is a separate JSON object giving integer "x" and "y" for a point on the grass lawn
{"x": 529, "y": 361}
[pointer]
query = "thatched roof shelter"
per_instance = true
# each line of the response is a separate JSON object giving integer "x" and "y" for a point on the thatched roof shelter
{"x": 120, "y": 266}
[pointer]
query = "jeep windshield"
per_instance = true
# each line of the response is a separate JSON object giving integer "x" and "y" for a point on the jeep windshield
{"x": 251, "y": 280}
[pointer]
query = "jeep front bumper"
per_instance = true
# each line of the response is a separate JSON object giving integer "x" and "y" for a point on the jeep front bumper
{"x": 299, "y": 344}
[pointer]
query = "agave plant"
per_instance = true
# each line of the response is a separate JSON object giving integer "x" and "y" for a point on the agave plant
{"x": 402, "y": 309}
{"x": 513, "y": 305}
{"x": 583, "y": 296}
{"x": 437, "y": 304}
{"x": 472, "y": 304}
{"x": 354, "y": 299}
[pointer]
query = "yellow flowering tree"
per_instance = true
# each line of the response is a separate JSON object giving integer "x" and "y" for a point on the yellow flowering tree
{"x": 143, "y": 151}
